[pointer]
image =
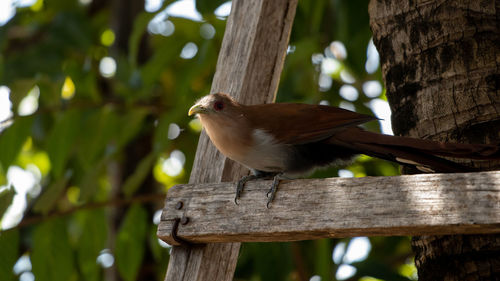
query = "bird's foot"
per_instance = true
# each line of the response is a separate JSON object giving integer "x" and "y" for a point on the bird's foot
{"x": 241, "y": 184}
{"x": 274, "y": 187}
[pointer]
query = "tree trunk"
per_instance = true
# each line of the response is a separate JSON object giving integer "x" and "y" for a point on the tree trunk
{"x": 440, "y": 62}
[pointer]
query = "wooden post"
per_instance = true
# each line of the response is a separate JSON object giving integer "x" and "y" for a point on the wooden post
{"x": 249, "y": 66}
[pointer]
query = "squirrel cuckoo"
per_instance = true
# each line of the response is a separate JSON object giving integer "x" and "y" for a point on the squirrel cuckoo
{"x": 288, "y": 138}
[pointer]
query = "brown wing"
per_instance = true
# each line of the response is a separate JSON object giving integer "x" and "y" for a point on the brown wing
{"x": 293, "y": 123}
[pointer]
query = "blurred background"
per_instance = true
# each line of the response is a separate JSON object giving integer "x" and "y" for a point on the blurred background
{"x": 94, "y": 131}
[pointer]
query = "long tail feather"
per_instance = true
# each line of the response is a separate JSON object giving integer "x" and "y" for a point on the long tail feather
{"x": 422, "y": 154}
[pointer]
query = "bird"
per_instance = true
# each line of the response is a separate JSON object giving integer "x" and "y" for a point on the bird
{"x": 281, "y": 140}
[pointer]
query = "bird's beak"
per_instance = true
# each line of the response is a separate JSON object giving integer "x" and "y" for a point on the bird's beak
{"x": 195, "y": 109}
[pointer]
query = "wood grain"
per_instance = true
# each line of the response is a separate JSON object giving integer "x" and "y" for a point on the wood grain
{"x": 337, "y": 207}
{"x": 248, "y": 67}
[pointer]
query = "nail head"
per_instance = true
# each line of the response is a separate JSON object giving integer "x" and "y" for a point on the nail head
{"x": 179, "y": 205}
{"x": 184, "y": 220}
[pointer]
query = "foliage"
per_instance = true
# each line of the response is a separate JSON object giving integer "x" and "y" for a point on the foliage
{"x": 97, "y": 142}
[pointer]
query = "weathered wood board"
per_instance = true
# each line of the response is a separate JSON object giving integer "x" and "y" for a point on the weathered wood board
{"x": 336, "y": 207}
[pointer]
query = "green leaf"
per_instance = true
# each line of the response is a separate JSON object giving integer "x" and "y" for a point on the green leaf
{"x": 353, "y": 30}
{"x": 6, "y": 196}
{"x": 272, "y": 261}
{"x": 89, "y": 183}
{"x": 208, "y": 7}
{"x": 377, "y": 269}
{"x": 130, "y": 124}
{"x": 143, "y": 169}
{"x": 94, "y": 231}
{"x": 3, "y": 177}
{"x": 50, "y": 195}
{"x": 160, "y": 138}
{"x": 52, "y": 256}
{"x": 62, "y": 139}
{"x": 97, "y": 131}
{"x": 130, "y": 243}
{"x": 18, "y": 90}
{"x": 160, "y": 253}
{"x": 9, "y": 243}
{"x": 322, "y": 259}
{"x": 13, "y": 138}
{"x": 151, "y": 71}
{"x": 140, "y": 26}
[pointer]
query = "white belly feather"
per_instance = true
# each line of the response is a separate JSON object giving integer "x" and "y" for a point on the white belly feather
{"x": 266, "y": 154}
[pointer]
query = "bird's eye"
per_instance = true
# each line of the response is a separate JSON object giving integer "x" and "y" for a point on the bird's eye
{"x": 218, "y": 105}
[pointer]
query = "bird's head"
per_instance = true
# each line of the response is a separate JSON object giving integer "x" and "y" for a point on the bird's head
{"x": 218, "y": 103}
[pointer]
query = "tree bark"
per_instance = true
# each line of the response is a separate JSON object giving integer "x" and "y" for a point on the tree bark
{"x": 440, "y": 62}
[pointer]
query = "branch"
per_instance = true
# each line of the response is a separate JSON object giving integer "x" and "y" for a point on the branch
{"x": 147, "y": 198}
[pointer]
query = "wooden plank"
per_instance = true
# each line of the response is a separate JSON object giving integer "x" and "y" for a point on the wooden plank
{"x": 337, "y": 207}
{"x": 248, "y": 68}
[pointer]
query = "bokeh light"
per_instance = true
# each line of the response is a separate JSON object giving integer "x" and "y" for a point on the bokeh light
{"x": 184, "y": 9}
{"x": 152, "y": 6}
{"x": 358, "y": 250}
{"x": 23, "y": 181}
{"x": 27, "y": 276}
{"x": 372, "y": 89}
{"x": 329, "y": 66}
{"x": 348, "y": 92}
{"x": 315, "y": 278}
{"x": 157, "y": 217}
{"x": 347, "y": 77}
{"x": 347, "y": 105}
{"x": 174, "y": 165}
{"x": 195, "y": 125}
{"x": 107, "y": 37}
{"x": 189, "y": 51}
{"x": 7, "y": 11}
{"x": 68, "y": 89}
{"x": 107, "y": 67}
{"x": 23, "y": 264}
{"x": 382, "y": 110}
{"x": 29, "y": 104}
{"x": 325, "y": 82}
{"x": 338, "y": 252}
{"x": 345, "y": 271}
{"x": 207, "y": 31}
{"x": 5, "y": 104}
{"x": 372, "y": 58}
{"x": 105, "y": 258}
{"x": 173, "y": 131}
{"x": 223, "y": 10}
{"x": 337, "y": 50}
{"x": 345, "y": 173}
{"x": 160, "y": 25}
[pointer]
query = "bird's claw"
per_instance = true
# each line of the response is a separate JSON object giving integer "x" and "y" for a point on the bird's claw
{"x": 270, "y": 194}
{"x": 239, "y": 189}
{"x": 240, "y": 185}
{"x": 272, "y": 191}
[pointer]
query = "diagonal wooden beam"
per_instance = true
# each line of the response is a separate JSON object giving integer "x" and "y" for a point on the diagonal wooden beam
{"x": 249, "y": 66}
{"x": 427, "y": 204}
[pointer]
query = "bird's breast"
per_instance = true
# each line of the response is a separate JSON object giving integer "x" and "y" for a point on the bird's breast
{"x": 227, "y": 136}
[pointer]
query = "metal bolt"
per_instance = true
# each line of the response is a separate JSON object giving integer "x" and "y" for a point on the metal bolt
{"x": 184, "y": 220}
{"x": 179, "y": 205}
